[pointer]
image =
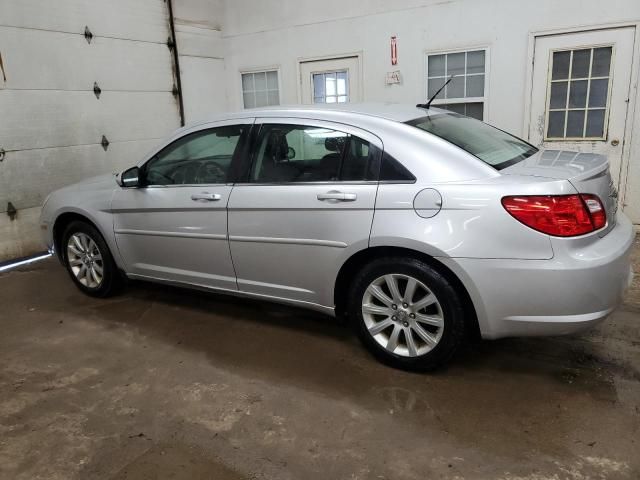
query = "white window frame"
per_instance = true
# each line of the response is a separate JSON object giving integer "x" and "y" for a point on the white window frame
{"x": 550, "y": 81}
{"x": 272, "y": 68}
{"x": 444, "y": 101}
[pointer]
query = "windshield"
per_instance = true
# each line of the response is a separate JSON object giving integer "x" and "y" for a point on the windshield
{"x": 491, "y": 145}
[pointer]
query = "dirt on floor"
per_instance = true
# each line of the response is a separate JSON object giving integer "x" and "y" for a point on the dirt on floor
{"x": 162, "y": 382}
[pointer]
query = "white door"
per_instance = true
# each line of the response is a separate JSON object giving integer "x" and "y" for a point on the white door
{"x": 580, "y": 93}
{"x": 331, "y": 81}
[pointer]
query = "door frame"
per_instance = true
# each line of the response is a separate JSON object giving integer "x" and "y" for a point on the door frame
{"x": 625, "y": 157}
{"x": 340, "y": 56}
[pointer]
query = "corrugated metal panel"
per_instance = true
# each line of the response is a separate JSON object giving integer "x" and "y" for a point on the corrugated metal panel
{"x": 51, "y": 123}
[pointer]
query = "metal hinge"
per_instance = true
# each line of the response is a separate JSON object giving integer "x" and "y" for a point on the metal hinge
{"x": 11, "y": 211}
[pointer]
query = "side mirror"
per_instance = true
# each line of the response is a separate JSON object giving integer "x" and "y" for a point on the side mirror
{"x": 130, "y": 178}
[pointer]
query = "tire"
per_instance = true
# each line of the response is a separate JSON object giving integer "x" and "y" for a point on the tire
{"x": 89, "y": 251}
{"x": 428, "y": 333}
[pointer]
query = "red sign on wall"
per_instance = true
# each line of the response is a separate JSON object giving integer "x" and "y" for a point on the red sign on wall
{"x": 394, "y": 50}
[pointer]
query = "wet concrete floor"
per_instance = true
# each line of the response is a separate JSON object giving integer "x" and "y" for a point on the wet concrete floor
{"x": 162, "y": 382}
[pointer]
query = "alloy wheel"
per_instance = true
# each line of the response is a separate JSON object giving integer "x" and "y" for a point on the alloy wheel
{"x": 403, "y": 315}
{"x": 85, "y": 260}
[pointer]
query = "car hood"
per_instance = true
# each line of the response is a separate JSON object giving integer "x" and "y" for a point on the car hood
{"x": 99, "y": 182}
{"x": 559, "y": 164}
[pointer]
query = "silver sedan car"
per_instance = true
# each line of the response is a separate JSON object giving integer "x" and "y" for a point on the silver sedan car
{"x": 417, "y": 224}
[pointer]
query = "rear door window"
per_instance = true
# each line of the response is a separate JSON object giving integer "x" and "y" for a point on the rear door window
{"x": 288, "y": 153}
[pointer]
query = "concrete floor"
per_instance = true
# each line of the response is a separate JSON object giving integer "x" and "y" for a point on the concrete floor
{"x": 168, "y": 383}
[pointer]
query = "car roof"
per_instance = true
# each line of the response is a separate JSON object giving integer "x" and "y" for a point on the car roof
{"x": 396, "y": 112}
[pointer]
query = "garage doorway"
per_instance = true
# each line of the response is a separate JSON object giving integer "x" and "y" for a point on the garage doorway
{"x": 335, "y": 80}
{"x": 580, "y": 93}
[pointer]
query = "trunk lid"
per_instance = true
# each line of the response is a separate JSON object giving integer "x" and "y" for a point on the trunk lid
{"x": 587, "y": 172}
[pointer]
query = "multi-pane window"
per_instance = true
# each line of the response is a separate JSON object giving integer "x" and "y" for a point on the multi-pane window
{"x": 260, "y": 89}
{"x": 465, "y": 93}
{"x": 331, "y": 87}
{"x": 578, "y": 94}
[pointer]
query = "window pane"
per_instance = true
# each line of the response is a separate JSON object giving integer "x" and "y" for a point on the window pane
{"x": 475, "y": 62}
{"x": 342, "y": 83}
{"x": 575, "y": 123}
{"x": 247, "y": 82}
{"x": 558, "y": 95}
{"x": 455, "y": 64}
{"x": 436, "y": 66}
{"x": 274, "y": 97}
{"x": 330, "y": 83}
{"x": 475, "y": 86}
{"x": 580, "y": 66}
{"x": 455, "y": 89}
{"x": 331, "y": 99}
{"x": 272, "y": 80}
{"x": 433, "y": 84}
{"x": 560, "y": 65}
{"x": 595, "y": 123}
{"x": 598, "y": 93}
{"x": 391, "y": 169}
{"x": 260, "y": 80}
{"x": 475, "y": 110}
{"x": 261, "y": 99}
{"x": 342, "y": 99}
{"x": 578, "y": 94}
{"x": 318, "y": 86}
{"x": 601, "y": 62}
{"x": 455, "y": 107}
{"x": 249, "y": 100}
{"x": 199, "y": 158}
{"x": 555, "y": 129}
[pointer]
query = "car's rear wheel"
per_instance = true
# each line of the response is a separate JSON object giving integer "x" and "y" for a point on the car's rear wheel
{"x": 89, "y": 261}
{"x": 406, "y": 313}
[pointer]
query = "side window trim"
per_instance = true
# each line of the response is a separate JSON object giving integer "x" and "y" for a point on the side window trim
{"x": 244, "y": 176}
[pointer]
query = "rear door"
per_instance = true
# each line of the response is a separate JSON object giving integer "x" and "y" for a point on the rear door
{"x": 303, "y": 207}
{"x": 580, "y": 95}
{"x": 175, "y": 227}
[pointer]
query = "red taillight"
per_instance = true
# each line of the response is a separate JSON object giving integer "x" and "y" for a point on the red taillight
{"x": 559, "y": 215}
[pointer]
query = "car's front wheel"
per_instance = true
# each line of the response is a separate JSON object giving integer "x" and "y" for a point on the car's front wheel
{"x": 406, "y": 313}
{"x": 89, "y": 261}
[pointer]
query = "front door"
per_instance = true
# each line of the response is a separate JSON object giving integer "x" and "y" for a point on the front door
{"x": 580, "y": 93}
{"x": 306, "y": 207}
{"x": 175, "y": 226}
{"x": 330, "y": 81}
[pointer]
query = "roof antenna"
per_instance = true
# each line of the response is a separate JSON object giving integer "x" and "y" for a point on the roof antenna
{"x": 428, "y": 104}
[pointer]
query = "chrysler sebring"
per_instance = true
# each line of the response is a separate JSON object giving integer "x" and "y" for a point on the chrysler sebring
{"x": 417, "y": 224}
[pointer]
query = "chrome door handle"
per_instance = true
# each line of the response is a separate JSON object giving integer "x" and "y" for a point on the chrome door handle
{"x": 209, "y": 197}
{"x": 337, "y": 196}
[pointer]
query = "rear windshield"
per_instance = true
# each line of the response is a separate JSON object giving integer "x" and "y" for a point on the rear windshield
{"x": 491, "y": 145}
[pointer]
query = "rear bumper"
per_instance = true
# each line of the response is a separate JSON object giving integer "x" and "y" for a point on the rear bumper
{"x": 580, "y": 286}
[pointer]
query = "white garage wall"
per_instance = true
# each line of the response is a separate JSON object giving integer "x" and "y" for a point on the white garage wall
{"x": 282, "y": 32}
